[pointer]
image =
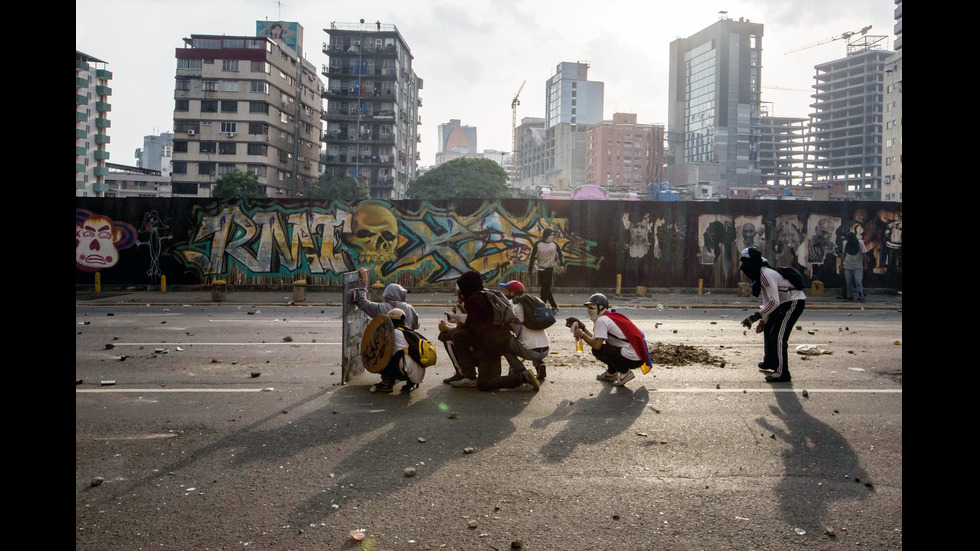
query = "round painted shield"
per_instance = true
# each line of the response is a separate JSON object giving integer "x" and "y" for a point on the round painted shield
{"x": 377, "y": 344}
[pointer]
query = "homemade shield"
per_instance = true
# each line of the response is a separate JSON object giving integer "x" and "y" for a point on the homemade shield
{"x": 377, "y": 344}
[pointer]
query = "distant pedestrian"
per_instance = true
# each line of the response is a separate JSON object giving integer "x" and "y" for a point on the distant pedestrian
{"x": 546, "y": 255}
{"x": 782, "y": 305}
{"x": 855, "y": 262}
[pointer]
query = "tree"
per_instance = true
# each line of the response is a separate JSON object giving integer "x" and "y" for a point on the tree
{"x": 238, "y": 184}
{"x": 329, "y": 186}
{"x": 461, "y": 178}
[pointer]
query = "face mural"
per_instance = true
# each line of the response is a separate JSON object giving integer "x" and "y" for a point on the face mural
{"x": 98, "y": 240}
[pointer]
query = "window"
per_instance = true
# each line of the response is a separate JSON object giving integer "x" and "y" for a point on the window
{"x": 229, "y": 127}
{"x": 230, "y": 65}
{"x": 225, "y": 168}
{"x": 186, "y": 126}
{"x": 180, "y": 146}
{"x": 189, "y": 64}
{"x": 229, "y": 85}
{"x": 180, "y": 167}
{"x": 259, "y": 87}
{"x": 205, "y": 168}
{"x": 229, "y": 106}
{"x": 182, "y": 105}
{"x": 210, "y": 43}
{"x": 208, "y": 147}
{"x": 259, "y": 128}
{"x": 209, "y": 85}
{"x": 258, "y": 149}
{"x": 226, "y": 148}
{"x": 258, "y": 170}
{"x": 260, "y": 67}
{"x": 209, "y": 106}
{"x": 183, "y": 84}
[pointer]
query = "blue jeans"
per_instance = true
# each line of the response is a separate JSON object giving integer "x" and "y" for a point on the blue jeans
{"x": 853, "y": 280}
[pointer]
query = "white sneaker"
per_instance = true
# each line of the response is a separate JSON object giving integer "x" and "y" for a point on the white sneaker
{"x": 607, "y": 376}
{"x": 464, "y": 382}
{"x": 623, "y": 378}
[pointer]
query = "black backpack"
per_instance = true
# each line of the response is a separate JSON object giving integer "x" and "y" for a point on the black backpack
{"x": 537, "y": 314}
{"x": 794, "y": 277}
{"x": 503, "y": 315}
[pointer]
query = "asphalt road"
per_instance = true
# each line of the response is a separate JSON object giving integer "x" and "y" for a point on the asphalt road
{"x": 227, "y": 428}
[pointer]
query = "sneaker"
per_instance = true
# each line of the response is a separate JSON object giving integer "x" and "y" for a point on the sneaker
{"x": 456, "y": 377}
{"x": 774, "y": 379}
{"x": 464, "y": 382}
{"x": 409, "y": 386}
{"x": 554, "y": 310}
{"x": 531, "y": 379}
{"x": 382, "y": 387}
{"x": 542, "y": 372}
{"x": 624, "y": 378}
{"x": 764, "y": 367}
{"x": 607, "y": 376}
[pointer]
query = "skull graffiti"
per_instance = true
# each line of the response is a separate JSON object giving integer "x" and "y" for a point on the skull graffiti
{"x": 374, "y": 233}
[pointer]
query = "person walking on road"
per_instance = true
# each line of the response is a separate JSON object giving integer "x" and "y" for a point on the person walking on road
{"x": 615, "y": 341}
{"x": 855, "y": 262}
{"x": 545, "y": 255}
{"x": 782, "y": 305}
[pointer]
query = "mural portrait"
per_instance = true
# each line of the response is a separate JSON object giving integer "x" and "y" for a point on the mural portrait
{"x": 98, "y": 240}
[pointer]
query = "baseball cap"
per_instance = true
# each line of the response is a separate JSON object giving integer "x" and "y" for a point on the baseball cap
{"x": 513, "y": 286}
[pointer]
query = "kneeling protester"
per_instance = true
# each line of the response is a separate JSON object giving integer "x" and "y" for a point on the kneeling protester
{"x": 408, "y": 357}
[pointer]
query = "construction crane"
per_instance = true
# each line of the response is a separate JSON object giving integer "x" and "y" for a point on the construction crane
{"x": 513, "y": 126}
{"x": 842, "y": 36}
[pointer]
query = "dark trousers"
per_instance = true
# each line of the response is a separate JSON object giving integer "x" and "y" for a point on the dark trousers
{"x": 613, "y": 357}
{"x": 776, "y": 335}
{"x": 392, "y": 371}
{"x": 546, "y": 278}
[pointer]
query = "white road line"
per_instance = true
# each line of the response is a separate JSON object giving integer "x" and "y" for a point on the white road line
{"x": 166, "y": 344}
{"x": 668, "y": 390}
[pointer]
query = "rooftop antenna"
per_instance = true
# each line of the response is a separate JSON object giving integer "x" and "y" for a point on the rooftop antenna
{"x": 280, "y": 4}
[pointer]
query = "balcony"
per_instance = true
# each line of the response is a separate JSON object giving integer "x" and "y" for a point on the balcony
{"x": 103, "y": 90}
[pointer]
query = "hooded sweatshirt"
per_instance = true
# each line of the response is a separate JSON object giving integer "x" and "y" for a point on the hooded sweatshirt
{"x": 393, "y": 297}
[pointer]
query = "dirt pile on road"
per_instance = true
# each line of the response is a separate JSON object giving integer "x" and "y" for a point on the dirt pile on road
{"x": 681, "y": 354}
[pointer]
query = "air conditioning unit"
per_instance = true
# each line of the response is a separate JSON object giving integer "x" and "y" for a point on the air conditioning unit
{"x": 192, "y": 132}
{"x": 231, "y": 134}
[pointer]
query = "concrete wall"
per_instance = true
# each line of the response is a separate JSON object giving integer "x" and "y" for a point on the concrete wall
{"x": 192, "y": 241}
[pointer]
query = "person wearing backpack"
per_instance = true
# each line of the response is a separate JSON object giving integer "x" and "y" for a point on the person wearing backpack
{"x": 782, "y": 305}
{"x": 527, "y": 334}
{"x": 402, "y": 366}
{"x": 615, "y": 341}
{"x": 478, "y": 343}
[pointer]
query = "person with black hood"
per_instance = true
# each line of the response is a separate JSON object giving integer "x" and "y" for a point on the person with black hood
{"x": 854, "y": 262}
{"x": 476, "y": 345}
{"x": 393, "y": 296}
{"x": 782, "y": 305}
{"x": 546, "y": 254}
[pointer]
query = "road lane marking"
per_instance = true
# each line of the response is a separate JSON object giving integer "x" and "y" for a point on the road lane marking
{"x": 676, "y": 390}
{"x": 146, "y": 390}
{"x": 165, "y": 344}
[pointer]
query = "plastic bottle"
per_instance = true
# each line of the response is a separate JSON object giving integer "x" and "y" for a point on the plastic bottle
{"x": 578, "y": 341}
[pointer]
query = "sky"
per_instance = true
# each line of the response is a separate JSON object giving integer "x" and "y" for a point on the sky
{"x": 473, "y": 55}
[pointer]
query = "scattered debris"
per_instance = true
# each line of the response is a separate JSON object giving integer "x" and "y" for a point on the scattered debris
{"x": 109, "y": 346}
{"x": 681, "y": 354}
{"x": 287, "y": 338}
{"x": 812, "y": 350}
{"x": 410, "y": 472}
{"x": 109, "y": 382}
{"x": 805, "y": 393}
{"x": 467, "y": 450}
{"x": 422, "y": 440}
{"x": 255, "y": 374}
{"x": 357, "y": 534}
{"x": 452, "y": 415}
{"x": 97, "y": 481}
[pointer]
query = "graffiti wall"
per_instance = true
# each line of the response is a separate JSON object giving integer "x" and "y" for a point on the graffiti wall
{"x": 135, "y": 241}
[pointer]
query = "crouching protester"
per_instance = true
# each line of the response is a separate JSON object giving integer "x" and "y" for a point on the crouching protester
{"x": 615, "y": 341}
{"x": 476, "y": 344}
{"x": 401, "y": 366}
{"x": 782, "y": 305}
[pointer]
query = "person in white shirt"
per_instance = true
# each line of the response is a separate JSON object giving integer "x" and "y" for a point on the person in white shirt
{"x": 532, "y": 339}
{"x": 545, "y": 255}
{"x": 782, "y": 305}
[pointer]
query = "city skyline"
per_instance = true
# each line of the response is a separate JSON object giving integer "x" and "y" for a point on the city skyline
{"x": 472, "y": 58}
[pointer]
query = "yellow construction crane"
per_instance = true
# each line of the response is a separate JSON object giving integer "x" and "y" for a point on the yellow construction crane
{"x": 842, "y": 36}
{"x": 513, "y": 127}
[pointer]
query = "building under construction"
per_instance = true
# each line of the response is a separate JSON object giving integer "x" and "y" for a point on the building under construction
{"x": 844, "y": 138}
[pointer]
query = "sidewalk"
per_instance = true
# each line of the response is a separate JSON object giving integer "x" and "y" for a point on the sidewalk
{"x": 572, "y": 298}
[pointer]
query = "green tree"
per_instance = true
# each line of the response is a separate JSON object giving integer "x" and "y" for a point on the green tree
{"x": 238, "y": 184}
{"x": 461, "y": 178}
{"x": 341, "y": 188}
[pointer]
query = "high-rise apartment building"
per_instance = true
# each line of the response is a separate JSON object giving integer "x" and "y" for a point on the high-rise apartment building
{"x": 623, "y": 155}
{"x": 92, "y": 109}
{"x": 780, "y": 150}
{"x": 844, "y": 139}
{"x": 531, "y": 159}
{"x": 372, "y": 114}
{"x": 248, "y": 103}
{"x": 713, "y": 110}
{"x": 157, "y": 153}
{"x": 891, "y": 170}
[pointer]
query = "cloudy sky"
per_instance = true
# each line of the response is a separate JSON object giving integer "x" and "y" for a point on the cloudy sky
{"x": 473, "y": 55}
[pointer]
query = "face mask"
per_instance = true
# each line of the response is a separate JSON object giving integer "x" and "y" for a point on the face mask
{"x": 593, "y": 312}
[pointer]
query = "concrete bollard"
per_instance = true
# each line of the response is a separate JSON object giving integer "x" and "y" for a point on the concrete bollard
{"x": 641, "y": 291}
{"x": 218, "y": 290}
{"x": 299, "y": 290}
{"x": 816, "y": 288}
